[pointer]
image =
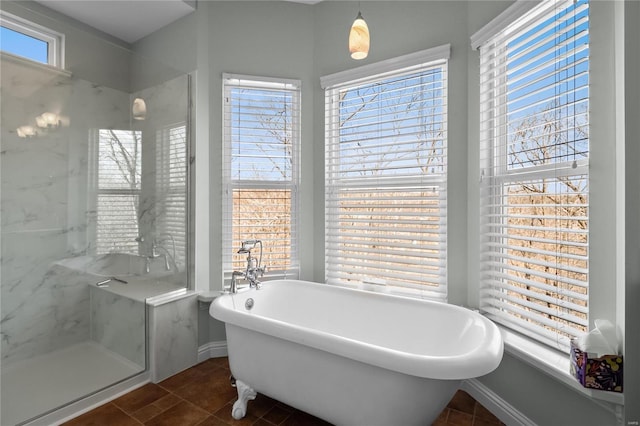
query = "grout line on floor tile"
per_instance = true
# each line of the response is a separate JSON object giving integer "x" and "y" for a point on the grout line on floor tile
{"x": 208, "y": 370}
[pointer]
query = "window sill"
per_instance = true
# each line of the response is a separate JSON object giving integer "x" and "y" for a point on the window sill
{"x": 19, "y": 60}
{"x": 553, "y": 363}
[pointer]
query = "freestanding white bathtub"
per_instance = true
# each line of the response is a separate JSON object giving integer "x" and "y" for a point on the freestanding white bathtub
{"x": 353, "y": 357}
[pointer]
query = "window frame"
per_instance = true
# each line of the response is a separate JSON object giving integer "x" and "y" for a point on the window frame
{"x": 229, "y": 184}
{"x": 167, "y": 189}
{"x": 333, "y": 84}
{"x": 55, "y": 40}
{"x": 490, "y": 182}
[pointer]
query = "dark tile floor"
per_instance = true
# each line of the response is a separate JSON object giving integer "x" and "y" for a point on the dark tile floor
{"x": 202, "y": 396}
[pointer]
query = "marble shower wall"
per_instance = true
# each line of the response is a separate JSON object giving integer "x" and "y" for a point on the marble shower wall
{"x": 173, "y": 337}
{"x": 44, "y": 206}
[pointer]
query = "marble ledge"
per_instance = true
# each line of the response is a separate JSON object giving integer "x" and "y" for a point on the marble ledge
{"x": 208, "y": 296}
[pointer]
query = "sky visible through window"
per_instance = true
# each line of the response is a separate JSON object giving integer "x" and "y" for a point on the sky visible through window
{"x": 261, "y": 134}
{"x": 536, "y": 269}
{"x": 23, "y": 45}
{"x": 394, "y": 126}
{"x": 548, "y": 89}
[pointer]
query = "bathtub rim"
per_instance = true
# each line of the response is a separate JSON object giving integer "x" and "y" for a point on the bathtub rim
{"x": 477, "y": 362}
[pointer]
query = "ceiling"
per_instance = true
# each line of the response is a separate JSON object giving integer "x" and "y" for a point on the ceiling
{"x": 127, "y": 20}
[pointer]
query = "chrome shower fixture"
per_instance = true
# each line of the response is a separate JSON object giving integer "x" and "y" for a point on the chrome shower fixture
{"x": 254, "y": 269}
{"x": 254, "y": 265}
{"x": 249, "y": 245}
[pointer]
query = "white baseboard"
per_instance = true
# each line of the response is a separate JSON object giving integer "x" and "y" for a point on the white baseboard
{"x": 490, "y": 400}
{"x": 212, "y": 350}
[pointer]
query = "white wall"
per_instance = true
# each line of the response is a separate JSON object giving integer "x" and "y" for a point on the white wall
{"x": 152, "y": 65}
{"x": 399, "y": 28}
{"x": 271, "y": 40}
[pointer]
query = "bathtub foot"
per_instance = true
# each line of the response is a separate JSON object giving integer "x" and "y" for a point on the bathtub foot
{"x": 245, "y": 394}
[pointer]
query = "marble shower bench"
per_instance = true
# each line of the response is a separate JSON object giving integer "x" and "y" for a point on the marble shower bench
{"x": 120, "y": 311}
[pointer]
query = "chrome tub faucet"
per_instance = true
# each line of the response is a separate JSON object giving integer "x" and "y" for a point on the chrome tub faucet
{"x": 233, "y": 288}
{"x": 158, "y": 250}
{"x": 254, "y": 269}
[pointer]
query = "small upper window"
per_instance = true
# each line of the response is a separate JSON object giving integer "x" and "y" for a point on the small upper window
{"x": 31, "y": 41}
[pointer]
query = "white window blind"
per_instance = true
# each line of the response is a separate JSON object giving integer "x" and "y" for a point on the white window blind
{"x": 534, "y": 173}
{"x": 171, "y": 187}
{"x": 261, "y": 171}
{"x": 118, "y": 191}
{"x": 385, "y": 180}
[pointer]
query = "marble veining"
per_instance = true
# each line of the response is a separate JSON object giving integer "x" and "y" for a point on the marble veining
{"x": 118, "y": 324}
{"x": 44, "y": 307}
{"x": 174, "y": 337}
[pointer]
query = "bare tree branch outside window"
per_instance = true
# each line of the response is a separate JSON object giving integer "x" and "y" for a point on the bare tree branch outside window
{"x": 262, "y": 125}
{"x": 119, "y": 185}
{"x": 386, "y": 181}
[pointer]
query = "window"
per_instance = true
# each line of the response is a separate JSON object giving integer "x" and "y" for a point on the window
{"x": 118, "y": 191}
{"x": 171, "y": 189}
{"x": 535, "y": 173}
{"x": 386, "y": 175}
{"x": 28, "y": 40}
{"x": 261, "y": 171}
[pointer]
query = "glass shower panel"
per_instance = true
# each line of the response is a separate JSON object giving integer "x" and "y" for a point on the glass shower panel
{"x": 164, "y": 198}
{"x": 94, "y": 209}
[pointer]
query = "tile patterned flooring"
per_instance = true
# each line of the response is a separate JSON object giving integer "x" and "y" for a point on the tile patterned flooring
{"x": 202, "y": 396}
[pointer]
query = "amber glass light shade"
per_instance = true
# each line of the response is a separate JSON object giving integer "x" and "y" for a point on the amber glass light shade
{"x": 359, "y": 38}
{"x": 139, "y": 109}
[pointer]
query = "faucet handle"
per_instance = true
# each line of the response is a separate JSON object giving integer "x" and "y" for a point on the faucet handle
{"x": 154, "y": 250}
{"x": 248, "y": 245}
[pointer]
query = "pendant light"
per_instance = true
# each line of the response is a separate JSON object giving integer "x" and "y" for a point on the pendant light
{"x": 359, "y": 38}
{"x": 139, "y": 109}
